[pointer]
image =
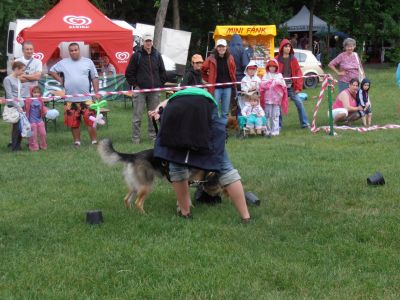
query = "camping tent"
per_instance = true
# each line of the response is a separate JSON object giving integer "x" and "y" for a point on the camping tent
{"x": 300, "y": 22}
{"x": 79, "y": 20}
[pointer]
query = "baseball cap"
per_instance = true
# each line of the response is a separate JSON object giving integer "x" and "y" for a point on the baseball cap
{"x": 197, "y": 58}
{"x": 221, "y": 42}
{"x": 147, "y": 36}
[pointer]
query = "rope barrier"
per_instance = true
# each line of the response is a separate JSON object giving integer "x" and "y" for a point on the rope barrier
{"x": 138, "y": 91}
{"x": 314, "y": 129}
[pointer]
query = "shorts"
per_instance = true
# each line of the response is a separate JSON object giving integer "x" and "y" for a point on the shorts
{"x": 228, "y": 174}
{"x": 338, "y": 111}
{"x": 73, "y": 112}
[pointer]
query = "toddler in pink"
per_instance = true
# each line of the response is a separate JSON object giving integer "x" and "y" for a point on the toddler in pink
{"x": 35, "y": 112}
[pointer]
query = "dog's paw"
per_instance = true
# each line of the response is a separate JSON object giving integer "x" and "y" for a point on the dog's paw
{"x": 140, "y": 209}
{"x": 127, "y": 204}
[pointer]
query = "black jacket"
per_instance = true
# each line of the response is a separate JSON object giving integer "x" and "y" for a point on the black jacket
{"x": 192, "y": 77}
{"x": 146, "y": 70}
{"x": 193, "y": 139}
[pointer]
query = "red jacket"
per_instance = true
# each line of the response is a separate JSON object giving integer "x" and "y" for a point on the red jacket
{"x": 294, "y": 66}
{"x": 209, "y": 71}
{"x": 43, "y": 108}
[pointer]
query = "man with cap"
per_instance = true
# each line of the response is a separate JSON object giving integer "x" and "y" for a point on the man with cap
{"x": 193, "y": 75}
{"x": 145, "y": 71}
{"x": 220, "y": 67}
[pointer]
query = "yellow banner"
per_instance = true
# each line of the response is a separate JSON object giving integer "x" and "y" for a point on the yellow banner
{"x": 258, "y": 36}
{"x": 245, "y": 30}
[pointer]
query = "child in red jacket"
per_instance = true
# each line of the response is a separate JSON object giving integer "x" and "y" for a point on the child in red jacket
{"x": 35, "y": 112}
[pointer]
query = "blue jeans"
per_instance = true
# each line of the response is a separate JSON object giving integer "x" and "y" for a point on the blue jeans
{"x": 223, "y": 97}
{"x": 342, "y": 86}
{"x": 300, "y": 107}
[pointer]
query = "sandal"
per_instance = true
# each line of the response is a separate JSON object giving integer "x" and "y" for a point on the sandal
{"x": 246, "y": 220}
{"x": 188, "y": 216}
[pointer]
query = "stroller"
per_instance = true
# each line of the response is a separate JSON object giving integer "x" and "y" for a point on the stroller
{"x": 243, "y": 131}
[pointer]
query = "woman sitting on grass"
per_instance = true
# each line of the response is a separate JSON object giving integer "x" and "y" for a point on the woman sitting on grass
{"x": 345, "y": 108}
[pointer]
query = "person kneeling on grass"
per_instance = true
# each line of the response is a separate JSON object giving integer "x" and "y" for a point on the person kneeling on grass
{"x": 192, "y": 135}
{"x": 345, "y": 108}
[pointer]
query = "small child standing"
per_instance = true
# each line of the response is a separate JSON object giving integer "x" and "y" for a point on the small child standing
{"x": 255, "y": 115}
{"x": 35, "y": 112}
{"x": 364, "y": 101}
{"x": 274, "y": 96}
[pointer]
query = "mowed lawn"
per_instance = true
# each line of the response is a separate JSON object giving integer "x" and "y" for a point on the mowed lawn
{"x": 320, "y": 232}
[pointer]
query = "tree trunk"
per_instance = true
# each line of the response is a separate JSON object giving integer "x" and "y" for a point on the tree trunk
{"x": 310, "y": 28}
{"x": 160, "y": 20}
{"x": 176, "y": 22}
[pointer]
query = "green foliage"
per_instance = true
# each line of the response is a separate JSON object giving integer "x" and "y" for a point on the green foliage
{"x": 393, "y": 55}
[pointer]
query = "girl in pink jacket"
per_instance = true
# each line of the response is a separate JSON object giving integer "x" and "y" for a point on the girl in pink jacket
{"x": 274, "y": 96}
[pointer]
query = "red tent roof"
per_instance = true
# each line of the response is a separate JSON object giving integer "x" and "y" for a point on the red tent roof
{"x": 79, "y": 20}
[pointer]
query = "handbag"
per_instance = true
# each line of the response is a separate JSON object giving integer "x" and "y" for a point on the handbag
{"x": 25, "y": 125}
{"x": 10, "y": 115}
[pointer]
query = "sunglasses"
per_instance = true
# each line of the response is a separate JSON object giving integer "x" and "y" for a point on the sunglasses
{"x": 198, "y": 62}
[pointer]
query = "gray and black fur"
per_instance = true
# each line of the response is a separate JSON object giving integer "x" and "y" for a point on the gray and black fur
{"x": 141, "y": 169}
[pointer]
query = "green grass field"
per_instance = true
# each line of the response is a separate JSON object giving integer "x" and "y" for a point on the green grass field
{"x": 320, "y": 231}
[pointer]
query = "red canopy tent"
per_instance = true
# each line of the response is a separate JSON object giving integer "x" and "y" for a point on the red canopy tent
{"x": 79, "y": 20}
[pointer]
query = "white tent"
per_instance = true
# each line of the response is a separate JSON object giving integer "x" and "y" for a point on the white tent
{"x": 301, "y": 21}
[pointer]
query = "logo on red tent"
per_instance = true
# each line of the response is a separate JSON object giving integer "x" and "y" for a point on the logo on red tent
{"x": 77, "y": 21}
{"x": 20, "y": 39}
{"x": 122, "y": 57}
{"x": 38, "y": 55}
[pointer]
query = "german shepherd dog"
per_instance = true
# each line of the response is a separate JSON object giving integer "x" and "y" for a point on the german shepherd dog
{"x": 141, "y": 169}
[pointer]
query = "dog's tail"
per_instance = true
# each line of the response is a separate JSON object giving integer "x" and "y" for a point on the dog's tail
{"x": 108, "y": 153}
{"x": 110, "y": 156}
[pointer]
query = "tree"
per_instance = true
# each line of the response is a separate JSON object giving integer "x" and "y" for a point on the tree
{"x": 176, "y": 18}
{"x": 310, "y": 26}
{"x": 160, "y": 20}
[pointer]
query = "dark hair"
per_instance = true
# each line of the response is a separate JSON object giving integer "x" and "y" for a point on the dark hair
{"x": 226, "y": 55}
{"x": 36, "y": 87}
{"x": 17, "y": 65}
{"x": 73, "y": 44}
{"x": 354, "y": 80}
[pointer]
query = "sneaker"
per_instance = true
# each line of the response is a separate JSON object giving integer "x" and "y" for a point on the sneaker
{"x": 77, "y": 144}
{"x": 94, "y": 142}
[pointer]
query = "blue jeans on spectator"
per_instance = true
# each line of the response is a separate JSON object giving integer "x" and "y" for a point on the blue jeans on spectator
{"x": 300, "y": 108}
{"x": 342, "y": 86}
{"x": 223, "y": 97}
